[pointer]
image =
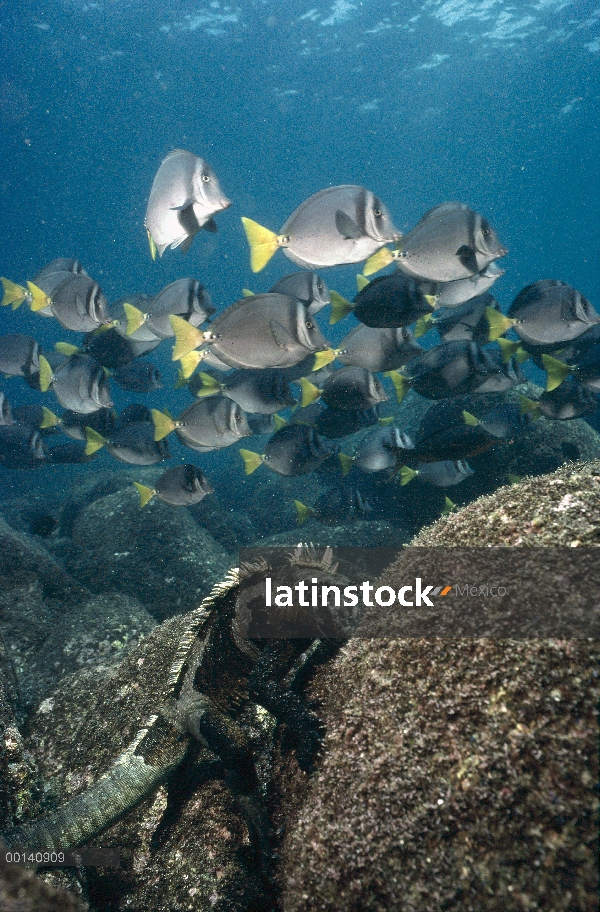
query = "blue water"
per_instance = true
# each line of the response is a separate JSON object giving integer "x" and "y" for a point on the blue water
{"x": 494, "y": 103}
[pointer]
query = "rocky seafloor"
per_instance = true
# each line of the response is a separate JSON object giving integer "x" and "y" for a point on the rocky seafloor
{"x": 455, "y": 774}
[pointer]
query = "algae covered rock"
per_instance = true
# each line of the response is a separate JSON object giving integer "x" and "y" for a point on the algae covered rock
{"x": 158, "y": 555}
{"x": 458, "y": 773}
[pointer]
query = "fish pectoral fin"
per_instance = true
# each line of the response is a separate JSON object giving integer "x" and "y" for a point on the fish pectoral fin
{"x": 186, "y": 244}
{"x": 281, "y": 335}
{"x": 185, "y": 205}
{"x": 211, "y": 226}
{"x": 346, "y": 226}
{"x": 467, "y": 256}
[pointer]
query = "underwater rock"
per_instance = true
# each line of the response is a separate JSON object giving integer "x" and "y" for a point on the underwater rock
{"x": 188, "y": 844}
{"x": 358, "y": 534}
{"x": 157, "y": 554}
{"x": 458, "y": 773}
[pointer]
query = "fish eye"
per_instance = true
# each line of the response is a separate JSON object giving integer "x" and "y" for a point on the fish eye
{"x": 309, "y": 324}
{"x": 486, "y": 232}
{"x": 205, "y": 178}
{"x": 319, "y": 286}
{"x": 377, "y": 213}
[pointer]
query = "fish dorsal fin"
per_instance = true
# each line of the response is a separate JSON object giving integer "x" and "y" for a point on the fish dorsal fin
{"x": 346, "y": 226}
{"x": 210, "y": 226}
{"x": 282, "y": 336}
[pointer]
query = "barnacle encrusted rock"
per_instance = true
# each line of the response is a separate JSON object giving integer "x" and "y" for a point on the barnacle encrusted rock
{"x": 458, "y": 774}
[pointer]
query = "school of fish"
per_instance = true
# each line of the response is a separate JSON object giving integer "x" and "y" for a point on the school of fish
{"x": 264, "y": 367}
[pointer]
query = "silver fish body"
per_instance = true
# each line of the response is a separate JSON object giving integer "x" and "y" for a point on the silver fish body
{"x": 182, "y": 486}
{"x": 80, "y": 384}
{"x": 444, "y": 474}
{"x": 184, "y": 197}
{"x": 450, "y": 242}
{"x": 307, "y": 286}
{"x": 376, "y": 349}
{"x": 134, "y": 444}
{"x": 336, "y": 226}
{"x": 267, "y": 330}
{"x": 19, "y": 355}
{"x": 353, "y": 388}
{"x": 186, "y": 298}
{"x": 296, "y": 450}
{"x": 551, "y": 313}
{"x": 212, "y": 424}
{"x": 79, "y": 304}
{"x": 453, "y": 294}
{"x": 380, "y": 450}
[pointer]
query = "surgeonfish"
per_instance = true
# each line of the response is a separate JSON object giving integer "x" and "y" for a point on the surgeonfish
{"x": 181, "y": 486}
{"x": 307, "y": 287}
{"x": 267, "y": 330}
{"x": 184, "y": 197}
{"x": 133, "y": 444}
{"x": 376, "y": 349}
{"x": 335, "y": 226}
{"x": 450, "y": 242}
{"x": 442, "y": 474}
{"x": 187, "y": 298}
{"x": 207, "y": 424}
{"x": 256, "y": 391}
{"x": 79, "y": 383}
{"x": 293, "y": 450}
{"x": 19, "y": 355}
{"x": 347, "y": 388}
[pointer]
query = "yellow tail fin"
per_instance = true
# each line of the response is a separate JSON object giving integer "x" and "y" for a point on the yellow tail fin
{"x": 13, "y": 294}
{"x": 422, "y": 326}
{"x": 95, "y": 441}
{"x": 378, "y": 261}
{"x": 498, "y": 323}
{"x": 385, "y": 422}
{"x": 263, "y": 244}
{"x": 65, "y": 348}
{"x": 406, "y": 474}
{"x": 529, "y": 406}
{"x": 145, "y": 493}
{"x": 278, "y": 421}
{"x": 345, "y": 462}
{"x": 251, "y": 461}
{"x": 340, "y": 307}
{"x": 187, "y": 337}
{"x": 246, "y": 293}
{"x": 303, "y": 512}
{"x": 310, "y": 392}
{"x": 163, "y": 424}
{"x": 49, "y": 419}
{"x": 513, "y": 479}
{"x": 153, "y": 247}
{"x": 135, "y": 318}
{"x": 189, "y": 363}
{"x": 361, "y": 281}
{"x": 401, "y": 384}
{"x": 508, "y": 348}
{"x": 46, "y": 375}
{"x": 556, "y": 371}
{"x": 210, "y": 385}
{"x": 39, "y": 298}
{"x": 323, "y": 358}
{"x": 470, "y": 419}
{"x": 448, "y": 507}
